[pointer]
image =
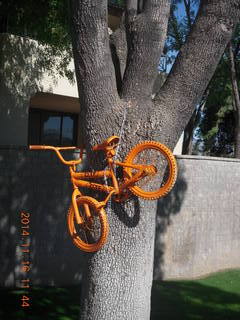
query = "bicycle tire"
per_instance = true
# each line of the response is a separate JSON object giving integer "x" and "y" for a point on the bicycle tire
{"x": 132, "y": 158}
{"x": 78, "y": 235}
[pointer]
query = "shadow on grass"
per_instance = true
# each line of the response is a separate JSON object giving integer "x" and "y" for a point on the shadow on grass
{"x": 45, "y": 303}
{"x": 171, "y": 300}
{"x": 190, "y": 300}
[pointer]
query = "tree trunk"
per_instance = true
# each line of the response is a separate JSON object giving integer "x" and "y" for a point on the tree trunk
{"x": 236, "y": 102}
{"x": 117, "y": 280}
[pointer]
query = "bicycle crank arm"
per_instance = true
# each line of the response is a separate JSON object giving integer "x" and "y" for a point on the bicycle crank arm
{"x": 132, "y": 180}
{"x": 150, "y": 170}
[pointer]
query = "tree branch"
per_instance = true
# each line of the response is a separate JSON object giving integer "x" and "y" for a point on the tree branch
{"x": 198, "y": 59}
{"x": 146, "y": 34}
{"x": 93, "y": 62}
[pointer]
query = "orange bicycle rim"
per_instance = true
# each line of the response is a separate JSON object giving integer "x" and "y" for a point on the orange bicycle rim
{"x": 77, "y": 236}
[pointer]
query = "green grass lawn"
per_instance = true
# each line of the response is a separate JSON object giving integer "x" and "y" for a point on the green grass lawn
{"x": 214, "y": 298}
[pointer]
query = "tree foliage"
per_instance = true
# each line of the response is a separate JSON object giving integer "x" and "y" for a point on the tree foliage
{"x": 45, "y": 21}
{"x": 182, "y": 16}
{"x": 216, "y": 125}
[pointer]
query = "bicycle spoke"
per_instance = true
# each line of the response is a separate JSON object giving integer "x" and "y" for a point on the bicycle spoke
{"x": 90, "y": 231}
{"x": 151, "y": 157}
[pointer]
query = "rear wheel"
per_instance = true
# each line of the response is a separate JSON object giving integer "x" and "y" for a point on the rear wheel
{"x": 162, "y": 180}
{"x": 91, "y": 235}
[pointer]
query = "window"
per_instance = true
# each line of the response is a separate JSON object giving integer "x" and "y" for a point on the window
{"x": 52, "y": 128}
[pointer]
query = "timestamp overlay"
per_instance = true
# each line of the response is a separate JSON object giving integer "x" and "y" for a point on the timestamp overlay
{"x": 24, "y": 261}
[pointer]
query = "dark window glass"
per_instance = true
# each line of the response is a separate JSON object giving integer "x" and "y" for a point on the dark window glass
{"x": 67, "y": 130}
{"x": 52, "y": 128}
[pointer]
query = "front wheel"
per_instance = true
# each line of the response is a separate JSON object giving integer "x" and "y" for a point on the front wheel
{"x": 92, "y": 234}
{"x": 162, "y": 180}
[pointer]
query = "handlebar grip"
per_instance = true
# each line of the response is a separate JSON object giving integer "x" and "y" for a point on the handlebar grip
{"x": 36, "y": 147}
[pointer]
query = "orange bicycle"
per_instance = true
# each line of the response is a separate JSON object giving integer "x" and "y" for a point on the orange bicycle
{"x": 149, "y": 171}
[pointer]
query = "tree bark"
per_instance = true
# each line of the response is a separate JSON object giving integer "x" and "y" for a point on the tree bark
{"x": 117, "y": 281}
{"x": 236, "y": 102}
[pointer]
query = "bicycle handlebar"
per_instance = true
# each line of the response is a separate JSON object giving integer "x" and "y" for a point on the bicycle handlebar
{"x": 57, "y": 150}
{"x": 39, "y": 147}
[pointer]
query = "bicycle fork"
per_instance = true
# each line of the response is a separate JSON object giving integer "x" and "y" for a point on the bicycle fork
{"x": 76, "y": 193}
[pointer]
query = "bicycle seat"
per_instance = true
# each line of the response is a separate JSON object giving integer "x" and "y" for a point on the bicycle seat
{"x": 110, "y": 143}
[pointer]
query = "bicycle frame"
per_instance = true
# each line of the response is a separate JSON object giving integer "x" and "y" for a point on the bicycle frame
{"x": 78, "y": 179}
